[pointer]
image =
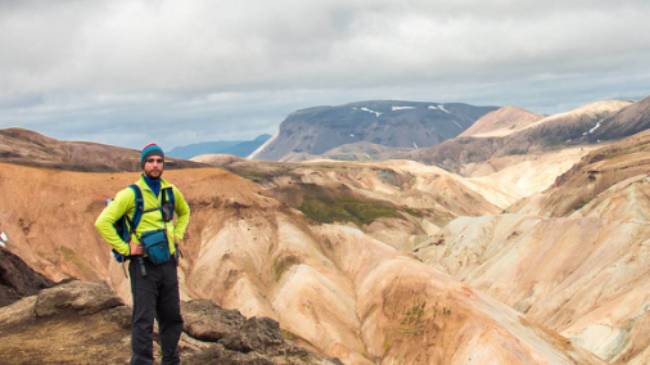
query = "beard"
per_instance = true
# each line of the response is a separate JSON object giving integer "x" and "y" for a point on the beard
{"x": 154, "y": 174}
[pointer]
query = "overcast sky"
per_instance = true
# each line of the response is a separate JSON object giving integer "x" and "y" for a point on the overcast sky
{"x": 178, "y": 72}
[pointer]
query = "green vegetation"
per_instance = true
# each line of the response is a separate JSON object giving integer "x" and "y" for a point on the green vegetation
{"x": 282, "y": 263}
{"x": 260, "y": 174}
{"x": 415, "y": 212}
{"x": 580, "y": 203}
{"x": 412, "y": 322}
{"x": 328, "y": 209}
{"x": 72, "y": 257}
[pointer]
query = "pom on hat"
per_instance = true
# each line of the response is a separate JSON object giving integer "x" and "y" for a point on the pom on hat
{"x": 151, "y": 149}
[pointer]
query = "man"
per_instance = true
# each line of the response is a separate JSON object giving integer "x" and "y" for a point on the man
{"x": 154, "y": 286}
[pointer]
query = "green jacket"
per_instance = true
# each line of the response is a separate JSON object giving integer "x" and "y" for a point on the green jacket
{"x": 124, "y": 202}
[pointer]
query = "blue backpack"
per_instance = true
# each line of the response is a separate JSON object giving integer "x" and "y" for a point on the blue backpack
{"x": 125, "y": 227}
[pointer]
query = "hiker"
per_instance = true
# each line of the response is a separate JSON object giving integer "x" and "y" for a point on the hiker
{"x": 153, "y": 253}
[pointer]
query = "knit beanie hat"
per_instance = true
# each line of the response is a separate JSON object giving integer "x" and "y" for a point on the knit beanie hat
{"x": 151, "y": 149}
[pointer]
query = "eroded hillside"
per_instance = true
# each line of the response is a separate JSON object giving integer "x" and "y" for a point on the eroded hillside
{"x": 573, "y": 258}
{"x": 338, "y": 289}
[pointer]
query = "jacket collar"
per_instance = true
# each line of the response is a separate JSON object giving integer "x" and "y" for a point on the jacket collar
{"x": 143, "y": 184}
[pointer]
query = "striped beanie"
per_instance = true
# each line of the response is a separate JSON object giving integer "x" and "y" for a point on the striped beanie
{"x": 151, "y": 149}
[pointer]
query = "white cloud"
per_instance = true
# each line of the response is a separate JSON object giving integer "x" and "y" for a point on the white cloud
{"x": 234, "y": 62}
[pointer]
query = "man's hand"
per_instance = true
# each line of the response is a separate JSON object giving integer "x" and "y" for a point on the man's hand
{"x": 135, "y": 249}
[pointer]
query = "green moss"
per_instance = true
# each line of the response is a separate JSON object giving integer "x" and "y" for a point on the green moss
{"x": 81, "y": 264}
{"x": 412, "y": 322}
{"x": 388, "y": 344}
{"x": 326, "y": 209}
{"x": 580, "y": 203}
{"x": 414, "y": 212}
{"x": 281, "y": 264}
{"x": 288, "y": 335}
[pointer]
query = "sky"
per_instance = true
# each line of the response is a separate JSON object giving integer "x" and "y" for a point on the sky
{"x": 178, "y": 72}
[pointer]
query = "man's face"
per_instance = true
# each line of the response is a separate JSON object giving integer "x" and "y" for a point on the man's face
{"x": 153, "y": 166}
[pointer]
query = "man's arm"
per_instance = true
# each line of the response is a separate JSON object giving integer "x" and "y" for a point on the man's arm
{"x": 111, "y": 214}
{"x": 182, "y": 210}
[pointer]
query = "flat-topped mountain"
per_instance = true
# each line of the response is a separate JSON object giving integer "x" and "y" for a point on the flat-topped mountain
{"x": 26, "y": 147}
{"x": 389, "y": 122}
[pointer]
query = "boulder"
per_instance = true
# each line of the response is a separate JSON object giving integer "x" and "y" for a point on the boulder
{"x": 76, "y": 296}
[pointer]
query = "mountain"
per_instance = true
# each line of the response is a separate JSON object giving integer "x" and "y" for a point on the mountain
{"x": 376, "y": 262}
{"x": 553, "y": 132}
{"x": 390, "y": 123}
{"x": 236, "y": 148}
{"x": 630, "y": 120}
{"x": 26, "y": 147}
{"x": 501, "y": 122}
{"x": 362, "y": 151}
{"x": 357, "y": 151}
{"x": 330, "y": 280}
{"x": 569, "y": 257}
{"x": 593, "y": 174}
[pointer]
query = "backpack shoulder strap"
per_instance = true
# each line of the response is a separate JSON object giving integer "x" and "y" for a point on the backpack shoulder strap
{"x": 170, "y": 196}
{"x": 139, "y": 206}
{"x": 168, "y": 203}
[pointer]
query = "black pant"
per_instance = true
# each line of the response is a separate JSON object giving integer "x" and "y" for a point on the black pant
{"x": 155, "y": 294}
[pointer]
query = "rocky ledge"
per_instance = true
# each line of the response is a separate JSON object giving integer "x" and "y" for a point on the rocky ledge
{"x": 86, "y": 323}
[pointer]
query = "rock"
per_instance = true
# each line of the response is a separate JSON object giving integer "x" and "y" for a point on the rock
{"x": 218, "y": 354}
{"x": 22, "y": 310}
{"x": 76, "y": 296}
{"x": 18, "y": 280}
{"x": 239, "y": 341}
{"x": 205, "y": 321}
{"x": 120, "y": 315}
{"x": 262, "y": 332}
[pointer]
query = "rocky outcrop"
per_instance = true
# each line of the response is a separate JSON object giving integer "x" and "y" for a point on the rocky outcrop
{"x": 17, "y": 279}
{"x": 237, "y": 340}
{"x": 85, "y": 322}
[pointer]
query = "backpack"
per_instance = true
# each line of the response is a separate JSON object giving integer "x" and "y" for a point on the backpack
{"x": 125, "y": 227}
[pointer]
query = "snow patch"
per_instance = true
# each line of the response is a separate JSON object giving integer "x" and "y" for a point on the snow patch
{"x": 397, "y": 108}
{"x": 351, "y": 134}
{"x": 415, "y": 145}
{"x": 263, "y": 146}
{"x": 595, "y": 127}
{"x": 439, "y": 107}
{"x": 377, "y": 114}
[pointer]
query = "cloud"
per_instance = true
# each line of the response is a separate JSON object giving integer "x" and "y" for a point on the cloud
{"x": 222, "y": 65}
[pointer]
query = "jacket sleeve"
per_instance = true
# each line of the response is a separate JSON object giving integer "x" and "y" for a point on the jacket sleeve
{"x": 182, "y": 210}
{"x": 124, "y": 200}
